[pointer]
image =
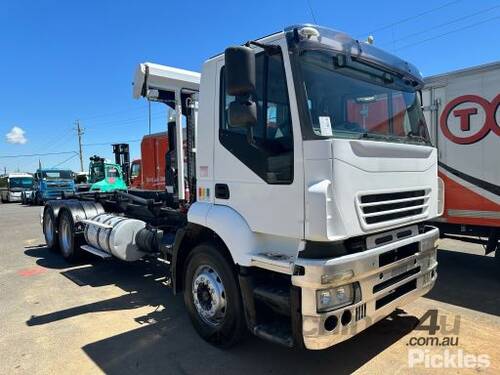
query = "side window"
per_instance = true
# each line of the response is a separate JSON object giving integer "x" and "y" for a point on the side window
{"x": 268, "y": 149}
{"x": 136, "y": 167}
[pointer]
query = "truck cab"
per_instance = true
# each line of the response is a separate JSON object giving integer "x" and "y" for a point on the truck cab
{"x": 148, "y": 172}
{"x": 52, "y": 184}
{"x": 313, "y": 162}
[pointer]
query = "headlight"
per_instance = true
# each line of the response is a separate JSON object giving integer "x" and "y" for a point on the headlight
{"x": 334, "y": 298}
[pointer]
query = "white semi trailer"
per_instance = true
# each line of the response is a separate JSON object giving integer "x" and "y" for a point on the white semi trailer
{"x": 462, "y": 110}
{"x": 296, "y": 206}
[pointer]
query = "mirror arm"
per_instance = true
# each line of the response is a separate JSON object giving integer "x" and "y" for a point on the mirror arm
{"x": 269, "y": 48}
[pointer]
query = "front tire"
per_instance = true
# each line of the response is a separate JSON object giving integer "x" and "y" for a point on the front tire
{"x": 69, "y": 244}
{"x": 49, "y": 229}
{"x": 212, "y": 297}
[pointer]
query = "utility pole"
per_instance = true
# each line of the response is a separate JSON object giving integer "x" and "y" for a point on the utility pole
{"x": 79, "y": 131}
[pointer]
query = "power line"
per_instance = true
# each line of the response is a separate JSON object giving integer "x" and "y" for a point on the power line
{"x": 126, "y": 120}
{"x": 110, "y": 143}
{"x": 121, "y": 123}
{"x": 312, "y": 12}
{"x": 33, "y": 155}
{"x": 467, "y": 16}
{"x": 56, "y": 139}
{"x": 447, "y": 33}
{"x": 404, "y": 20}
{"x": 112, "y": 113}
{"x": 66, "y": 160}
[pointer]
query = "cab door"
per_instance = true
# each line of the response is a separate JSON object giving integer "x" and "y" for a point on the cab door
{"x": 258, "y": 171}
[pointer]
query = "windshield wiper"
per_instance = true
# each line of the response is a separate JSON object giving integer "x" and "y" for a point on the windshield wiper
{"x": 367, "y": 135}
{"x": 416, "y": 137}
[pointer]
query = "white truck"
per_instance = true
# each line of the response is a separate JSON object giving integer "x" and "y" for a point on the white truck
{"x": 297, "y": 208}
{"x": 462, "y": 110}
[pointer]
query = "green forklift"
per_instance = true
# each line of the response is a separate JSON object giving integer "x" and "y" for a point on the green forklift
{"x": 106, "y": 176}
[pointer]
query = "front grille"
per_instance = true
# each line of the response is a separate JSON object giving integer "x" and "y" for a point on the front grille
{"x": 384, "y": 207}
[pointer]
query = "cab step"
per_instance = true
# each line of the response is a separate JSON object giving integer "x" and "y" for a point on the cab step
{"x": 275, "y": 296}
{"x": 275, "y": 332}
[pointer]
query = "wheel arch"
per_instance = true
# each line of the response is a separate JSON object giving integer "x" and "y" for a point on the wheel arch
{"x": 186, "y": 240}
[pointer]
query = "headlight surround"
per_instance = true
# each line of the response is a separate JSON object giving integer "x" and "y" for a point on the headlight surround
{"x": 440, "y": 196}
{"x": 334, "y": 298}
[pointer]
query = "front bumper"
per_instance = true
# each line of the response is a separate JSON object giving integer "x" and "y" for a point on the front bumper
{"x": 55, "y": 194}
{"x": 15, "y": 197}
{"x": 384, "y": 286}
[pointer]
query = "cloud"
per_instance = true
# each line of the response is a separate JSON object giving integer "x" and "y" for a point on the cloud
{"x": 16, "y": 136}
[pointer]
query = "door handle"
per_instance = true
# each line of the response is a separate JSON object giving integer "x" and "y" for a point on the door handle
{"x": 221, "y": 191}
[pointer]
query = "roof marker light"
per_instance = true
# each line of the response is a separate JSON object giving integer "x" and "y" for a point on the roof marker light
{"x": 308, "y": 32}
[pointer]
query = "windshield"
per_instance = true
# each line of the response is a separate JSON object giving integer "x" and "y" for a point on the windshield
{"x": 112, "y": 172}
{"x": 99, "y": 171}
{"x": 57, "y": 175}
{"x": 21, "y": 182}
{"x": 357, "y": 101}
{"x": 96, "y": 172}
{"x": 135, "y": 170}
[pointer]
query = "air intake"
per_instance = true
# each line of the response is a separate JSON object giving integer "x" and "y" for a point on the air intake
{"x": 391, "y": 208}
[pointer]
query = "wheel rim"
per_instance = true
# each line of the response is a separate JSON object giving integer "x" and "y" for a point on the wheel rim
{"x": 65, "y": 237}
{"x": 48, "y": 229}
{"x": 209, "y": 295}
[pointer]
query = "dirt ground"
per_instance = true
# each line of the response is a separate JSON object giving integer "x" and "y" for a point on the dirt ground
{"x": 118, "y": 318}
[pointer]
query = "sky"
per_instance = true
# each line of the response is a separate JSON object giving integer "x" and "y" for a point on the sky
{"x": 63, "y": 61}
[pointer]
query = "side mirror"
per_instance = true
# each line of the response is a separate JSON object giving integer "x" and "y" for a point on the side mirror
{"x": 242, "y": 114}
{"x": 240, "y": 82}
{"x": 240, "y": 71}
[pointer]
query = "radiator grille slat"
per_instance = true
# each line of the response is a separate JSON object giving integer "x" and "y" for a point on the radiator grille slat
{"x": 383, "y": 207}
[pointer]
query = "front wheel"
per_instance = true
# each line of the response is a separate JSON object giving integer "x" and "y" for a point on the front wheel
{"x": 69, "y": 244}
{"x": 212, "y": 297}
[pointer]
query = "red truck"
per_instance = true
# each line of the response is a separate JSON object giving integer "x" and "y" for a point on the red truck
{"x": 148, "y": 172}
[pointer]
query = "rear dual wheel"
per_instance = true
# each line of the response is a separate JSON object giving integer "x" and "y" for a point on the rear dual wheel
{"x": 50, "y": 229}
{"x": 69, "y": 243}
